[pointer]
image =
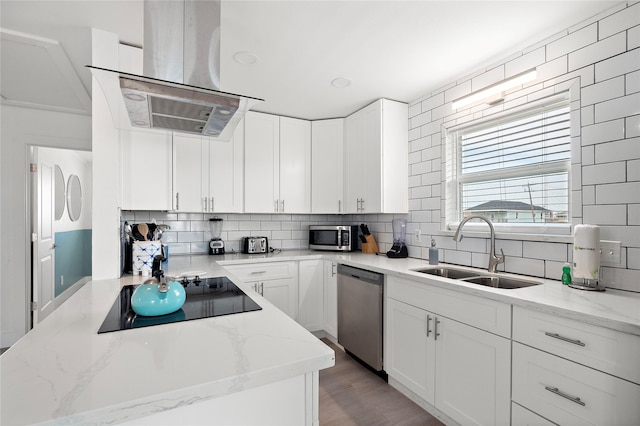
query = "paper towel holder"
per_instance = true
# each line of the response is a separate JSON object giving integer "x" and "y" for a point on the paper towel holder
{"x": 592, "y": 285}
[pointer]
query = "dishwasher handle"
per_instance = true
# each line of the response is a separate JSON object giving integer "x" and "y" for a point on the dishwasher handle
{"x": 361, "y": 274}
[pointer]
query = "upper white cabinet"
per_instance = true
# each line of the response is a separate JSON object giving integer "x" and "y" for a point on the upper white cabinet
{"x": 277, "y": 164}
{"x": 327, "y": 166}
{"x": 376, "y": 159}
{"x": 207, "y": 174}
{"x": 146, "y": 170}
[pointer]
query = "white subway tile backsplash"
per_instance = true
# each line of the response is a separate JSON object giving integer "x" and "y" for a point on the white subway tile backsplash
{"x": 487, "y": 78}
{"x": 603, "y": 132}
{"x": 632, "y": 82}
{"x": 433, "y": 102}
{"x": 587, "y": 155}
{"x": 587, "y": 115}
{"x": 599, "y": 51}
{"x": 414, "y": 109}
{"x": 552, "y": 69}
{"x": 420, "y": 120}
{"x": 545, "y": 251}
{"x": 633, "y": 214}
{"x": 588, "y": 195}
{"x": 461, "y": 89}
{"x": 633, "y": 168}
{"x": 457, "y": 257}
{"x": 510, "y": 247}
{"x": 633, "y": 37}
{"x": 618, "y": 108}
{"x": 524, "y": 266}
{"x": 618, "y": 193}
{"x": 622, "y": 279}
{"x": 633, "y": 258}
{"x": 626, "y": 149}
{"x": 553, "y": 270}
{"x": 605, "y": 214}
{"x": 617, "y": 65}
{"x": 604, "y": 173}
{"x": 603, "y": 91}
{"x": 525, "y": 62}
{"x": 572, "y": 42}
{"x": 620, "y": 21}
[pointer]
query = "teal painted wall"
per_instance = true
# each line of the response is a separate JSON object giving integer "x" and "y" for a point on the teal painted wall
{"x": 73, "y": 258}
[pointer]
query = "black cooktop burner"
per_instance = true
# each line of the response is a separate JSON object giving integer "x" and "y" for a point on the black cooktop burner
{"x": 206, "y": 297}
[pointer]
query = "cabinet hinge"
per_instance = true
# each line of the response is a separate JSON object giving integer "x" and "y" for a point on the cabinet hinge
{"x": 33, "y": 168}
{"x": 34, "y": 306}
{"x": 34, "y": 237}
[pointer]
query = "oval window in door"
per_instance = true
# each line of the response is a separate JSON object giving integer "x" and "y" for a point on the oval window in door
{"x": 59, "y": 198}
{"x": 74, "y": 197}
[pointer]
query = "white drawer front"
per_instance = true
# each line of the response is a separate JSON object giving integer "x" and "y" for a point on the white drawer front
{"x": 478, "y": 312}
{"x": 522, "y": 417}
{"x": 604, "y": 349}
{"x": 568, "y": 393}
{"x": 262, "y": 271}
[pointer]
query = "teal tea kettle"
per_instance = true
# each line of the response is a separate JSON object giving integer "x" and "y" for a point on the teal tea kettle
{"x": 155, "y": 297}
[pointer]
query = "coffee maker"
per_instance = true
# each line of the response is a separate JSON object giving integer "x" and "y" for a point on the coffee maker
{"x": 216, "y": 245}
{"x": 399, "y": 248}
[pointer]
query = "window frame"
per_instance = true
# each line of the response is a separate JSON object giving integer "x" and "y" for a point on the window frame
{"x": 453, "y": 173}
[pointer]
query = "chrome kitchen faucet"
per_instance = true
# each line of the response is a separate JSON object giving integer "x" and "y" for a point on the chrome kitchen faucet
{"x": 494, "y": 260}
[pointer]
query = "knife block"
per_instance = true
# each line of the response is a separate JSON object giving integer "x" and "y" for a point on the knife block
{"x": 370, "y": 247}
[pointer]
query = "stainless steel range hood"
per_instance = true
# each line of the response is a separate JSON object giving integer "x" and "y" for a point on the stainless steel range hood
{"x": 179, "y": 90}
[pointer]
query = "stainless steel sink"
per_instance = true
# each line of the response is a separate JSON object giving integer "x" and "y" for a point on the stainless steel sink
{"x": 452, "y": 273}
{"x": 478, "y": 277}
{"x": 500, "y": 282}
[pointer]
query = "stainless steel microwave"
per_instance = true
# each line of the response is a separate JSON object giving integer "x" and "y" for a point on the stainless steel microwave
{"x": 333, "y": 237}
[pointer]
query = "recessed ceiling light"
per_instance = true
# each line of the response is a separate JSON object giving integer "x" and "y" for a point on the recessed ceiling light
{"x": 341, "y": 82}
{"x": 245, "y": 58}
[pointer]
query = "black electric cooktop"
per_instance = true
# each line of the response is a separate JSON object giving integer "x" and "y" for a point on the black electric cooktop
{"x": 206, "y": 297}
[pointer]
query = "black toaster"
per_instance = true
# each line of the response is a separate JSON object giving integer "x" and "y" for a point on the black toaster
{"x": 251, "y": 245}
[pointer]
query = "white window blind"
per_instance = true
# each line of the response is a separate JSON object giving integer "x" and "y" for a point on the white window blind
{"x": 515, "y": 169}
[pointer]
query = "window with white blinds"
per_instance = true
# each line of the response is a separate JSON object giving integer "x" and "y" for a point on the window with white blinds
{"x": 515, "y": 169}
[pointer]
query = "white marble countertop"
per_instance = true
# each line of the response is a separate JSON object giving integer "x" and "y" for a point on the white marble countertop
{"x": 63, "y": 371}
{"x": 615, "y": 309}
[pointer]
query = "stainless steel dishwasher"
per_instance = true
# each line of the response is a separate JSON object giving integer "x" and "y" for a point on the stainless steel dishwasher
{"x": 360, "y": 294}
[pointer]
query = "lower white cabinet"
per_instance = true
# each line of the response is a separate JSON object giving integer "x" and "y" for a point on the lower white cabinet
{"x": 310, "y": 294}
{"x": 331, "y": 299}
{"x": 570, "y": 372}
{"x": 569, "y": 393}
{"x": 275, "y": 281}
{"x": 462, "y": 371}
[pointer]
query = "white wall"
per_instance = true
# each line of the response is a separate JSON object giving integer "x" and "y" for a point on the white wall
{"x": 20, "y": 128}
{"x": 600, "y": 59}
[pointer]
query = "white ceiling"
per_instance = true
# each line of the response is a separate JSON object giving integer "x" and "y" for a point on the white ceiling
{"x": 394, "y": 49}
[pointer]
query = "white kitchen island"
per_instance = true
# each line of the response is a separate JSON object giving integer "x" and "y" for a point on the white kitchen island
{"x": 255, "y": 367}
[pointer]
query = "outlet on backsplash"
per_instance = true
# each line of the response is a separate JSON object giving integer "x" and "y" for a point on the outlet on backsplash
{"x": 610, "y": 252}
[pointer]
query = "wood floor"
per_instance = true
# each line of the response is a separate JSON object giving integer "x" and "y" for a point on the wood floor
{"x": 352, "y": 395}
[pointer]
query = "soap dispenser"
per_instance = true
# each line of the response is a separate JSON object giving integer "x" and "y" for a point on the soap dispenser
{"x": 433, "y": 253}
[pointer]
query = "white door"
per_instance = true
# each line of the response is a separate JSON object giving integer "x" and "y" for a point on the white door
{"x": 282, "y": 294}
{"x": 410, "y": 353}
{"x": 261, "y": 163}
{"x": 188, "y": 183}
{"x": 473, "y": 374}
{"x": 226, "y": 174}
{"x": 43, "y": 262}
{"x": 295, "y": 165}
{"x": 327, "y": 166}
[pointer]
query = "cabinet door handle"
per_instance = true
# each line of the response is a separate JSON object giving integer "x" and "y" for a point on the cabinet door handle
{"x": 261, "y": 289}
{"x": 339, "y": 206}
{"x": 282, "y": 206}
{"x": 333, "y": 269}
{"x": 275, "y": 209}
{"x": 565, "y": 395}
{"x": 206, "y": 204}
{"x": 362, "y": 204}
{"x": 436, "y": 334}
{"x": 564, "y": 339}
{"x": 212, "y": 205}
{"x": 258, "y": 272}
{"x": 428, "y": 324}
{"x": 177, "y": 201}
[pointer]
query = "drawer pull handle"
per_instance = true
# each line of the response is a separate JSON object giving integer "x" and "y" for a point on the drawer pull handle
{"x": 258, "y": 272}
{"x": 564, "y": 395}
{"x": 428, "y": 322}
{"x": 566, "y": 339}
